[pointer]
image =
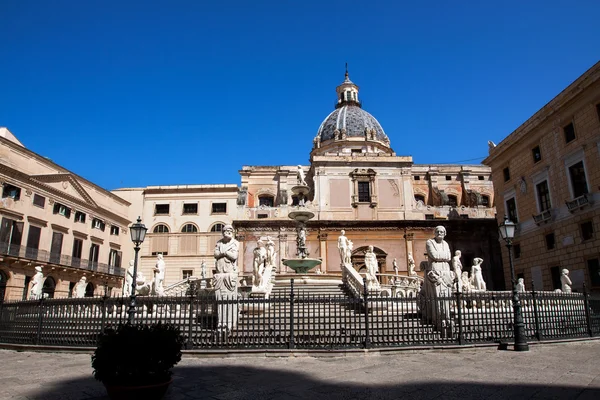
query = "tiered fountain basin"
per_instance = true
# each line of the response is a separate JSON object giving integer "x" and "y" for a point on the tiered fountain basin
{"x": 301, "y": 265}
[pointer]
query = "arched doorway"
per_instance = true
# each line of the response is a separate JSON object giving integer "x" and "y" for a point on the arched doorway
{"x": 49, "y": 287}
{"x": 358, "y": 259}
{"x": 3, "y": 280}
{"x": 89, "y": 290}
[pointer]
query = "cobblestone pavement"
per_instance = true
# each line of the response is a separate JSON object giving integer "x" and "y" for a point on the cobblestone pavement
{"x": 548, "y": 371}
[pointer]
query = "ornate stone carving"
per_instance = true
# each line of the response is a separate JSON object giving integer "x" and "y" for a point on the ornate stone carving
{"x": 242, "y": 195}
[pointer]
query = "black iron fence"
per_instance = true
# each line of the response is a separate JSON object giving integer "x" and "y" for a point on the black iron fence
{"x": 307, "y": 321}
{"x": 36, "y": 255}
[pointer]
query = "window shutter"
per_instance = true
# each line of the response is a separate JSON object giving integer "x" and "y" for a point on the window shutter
{"x": 56, "y": 208}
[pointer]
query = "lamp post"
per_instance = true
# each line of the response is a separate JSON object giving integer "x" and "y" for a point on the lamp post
{"x": 507, "y": 231}
{"x": 138, "y": 233}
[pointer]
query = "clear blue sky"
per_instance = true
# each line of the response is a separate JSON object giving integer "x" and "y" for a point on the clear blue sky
{"x": 136, "y": 93}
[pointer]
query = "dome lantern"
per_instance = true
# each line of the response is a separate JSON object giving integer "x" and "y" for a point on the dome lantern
{"x": 347, "y": 92}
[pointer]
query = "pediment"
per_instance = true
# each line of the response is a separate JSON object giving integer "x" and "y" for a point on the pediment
{"x": 66, "y": 184}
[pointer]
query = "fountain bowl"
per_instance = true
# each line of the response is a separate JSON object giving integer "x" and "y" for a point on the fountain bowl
{"x": 301, "y": 265}
{"x": 301, "y": 215}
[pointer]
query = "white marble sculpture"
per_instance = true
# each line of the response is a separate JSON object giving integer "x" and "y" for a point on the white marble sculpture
{"x": 457, "y": 268}
{"x": 465, "y": 282}
{"x": 349, "y": 249}
{"x": 411, "y": 265}
{"x": 343, "y": 247}
{"x": 439, "y": 280}
{"x": 301, "y": 237}
{"x": 143, "y": 287}
{"x": 258, "y": 263}
{"x": 372, "y": 269}
{"x": 271, "y": 254}
{"x": 520, "y": 285}
{"x": 395, "y": 265}
{"x": 37, "y": 284}
{"x": 226, "y": 278}
{"x": 79, "y": 290}
{"x": 565, "y": 281}
{"x": 203, "y": 275}
{"x": 159, "y": 276}
{"x": 477, "y": 282}
{"x": 300, "y": 176}
{"x": 128, "y": 281}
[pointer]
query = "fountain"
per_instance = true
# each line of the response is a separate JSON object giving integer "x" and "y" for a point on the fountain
{"x": 302, "y": 264}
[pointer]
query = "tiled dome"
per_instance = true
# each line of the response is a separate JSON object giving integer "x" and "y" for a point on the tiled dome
{"x": 356, "y": 122}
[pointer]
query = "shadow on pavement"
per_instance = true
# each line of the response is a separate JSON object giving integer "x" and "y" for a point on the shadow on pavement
{"x": 230, "y": 383}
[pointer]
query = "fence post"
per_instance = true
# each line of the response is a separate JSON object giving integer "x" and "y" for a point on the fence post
{"x": 291, "y": 344}
{"x": 190, "y": 344}
{"x": 366, "y": 301}
{"x": 459, "y": 313}
{"x": 40, "y": 321}
{"x": 586, "y": 303}
{"x": 103, "y": 320}
{"x": 536, "y": 319}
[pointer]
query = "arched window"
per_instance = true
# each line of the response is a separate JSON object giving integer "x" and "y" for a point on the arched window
{"x": 419, "y": 197}
{"x": 89, "y": 290}
{"x": 217, "y": 227}
{"x": 48, "y": 288}
{"x": 266, "y": 200}
{"x": 162, "y": 228}
{"x": 189, "y": 228}
{"x": 452, "y": 200}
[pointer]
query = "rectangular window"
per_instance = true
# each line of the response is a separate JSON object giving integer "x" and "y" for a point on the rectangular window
{"x": 56, "y": 247}
{"x": 550, "y": 242}
{"x": 448, "y": 178}
{"x": 187, "y": 273}
{"x": 79, "y": 216}
{"x": 33, "y": 241}
{"x": 537, "y": 154}
{"x": 114, "y": 230}
{"x": 98, "y": 224}
{"x": 578, "y": 182}
{"x": 190, "y": 208}
{"x": 517, "y": 250}
{"x": 543, "y": 196}
{"x": 364, "y": 192}
{"x": 506, "y": 172}
{"x": 11, "y": 232}
{"x": 77, "y": 250}
{"x": 511, "y": 210}
{"x": 161, "y": 209}
{"x": 267, "y": 201}
{"x": 356, "y": 151}
{"x": 94, "y": 254}
{"x": 481, "y": 178}
{"x": 569, "y": 131}
{"x": 219, "y": 208}
{"x": 261, "y": 216}
{"x": 587, "y": 230}
{"x": 417, "y": 178}
{"x": 38, "y": 200}
{"x": 61, "y": 209}
{"x": 114, "y": 258}
{"x": 11, "y": 191}
{"x": 594, "y": 270}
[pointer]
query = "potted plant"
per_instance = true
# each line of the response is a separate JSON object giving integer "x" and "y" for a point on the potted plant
{"x": 135, "y": 361}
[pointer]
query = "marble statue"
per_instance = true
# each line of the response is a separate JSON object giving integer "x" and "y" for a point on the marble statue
{"x": 142, "y": 286}
{"x": 271, "y": 254}
{"x": 128, "y": 281}
{"x": 37, "y": 284}
{"x": 79, "y": 290}
{"x": 301, "y": 238}
{"x": 465, "y": 282}
{"x": 159, "y": 276}
{"x": 565, "y": 281}
{"x": 258, "y": 263}
{"x": 203, "y": 270}
{"x": 349, "y": 249}
{"x": 411, "y": 265}
{"x": 439, "y": 280}
{"x": 226, "y": 278}
{"x": 343, "y": 247}
{"x": 457, "y": 268}
{"x": 520, "y": 285}
{"x": 477, "y": 281}
{"x": 372, "y": 269}
{"x": 300, "y": 176}
{"x": 395, "y": 265}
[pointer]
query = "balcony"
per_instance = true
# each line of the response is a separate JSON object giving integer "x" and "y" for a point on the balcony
{"x": 43, "y": 256}
{"x": 543, "y": 217}
{"x": 579, "y": 202}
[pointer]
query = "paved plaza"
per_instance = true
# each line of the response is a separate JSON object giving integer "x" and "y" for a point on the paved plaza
{"x": 548, "y": 371}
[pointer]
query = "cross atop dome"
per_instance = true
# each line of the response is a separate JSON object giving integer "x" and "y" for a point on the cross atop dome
{"x": 347, "y": 92}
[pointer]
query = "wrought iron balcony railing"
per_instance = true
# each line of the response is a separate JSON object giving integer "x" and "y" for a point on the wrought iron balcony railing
{"x": 63, "y": 260}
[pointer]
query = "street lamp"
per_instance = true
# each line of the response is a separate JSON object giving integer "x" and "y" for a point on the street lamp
{"x": 138, "y": 233}
{"x": 507, "y": 231}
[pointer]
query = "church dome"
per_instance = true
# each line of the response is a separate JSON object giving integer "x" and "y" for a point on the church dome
{"x": 349, "y": 120}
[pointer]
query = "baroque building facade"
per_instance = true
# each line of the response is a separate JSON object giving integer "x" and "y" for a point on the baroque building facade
{"x": 546, "y": 176}
{"x": 53, "y": 218}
